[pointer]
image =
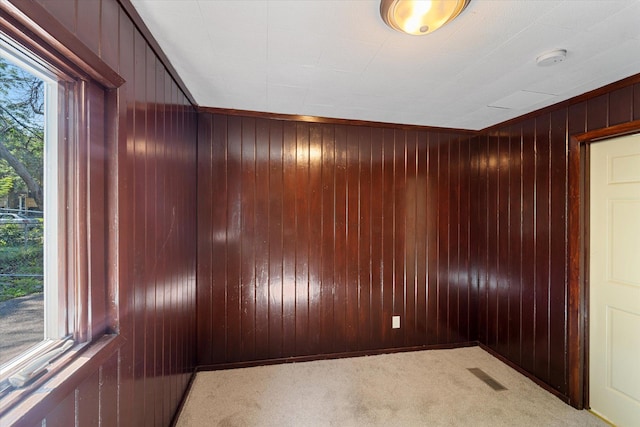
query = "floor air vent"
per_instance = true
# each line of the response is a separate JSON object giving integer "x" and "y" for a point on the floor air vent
{"x": 487, "y": 379}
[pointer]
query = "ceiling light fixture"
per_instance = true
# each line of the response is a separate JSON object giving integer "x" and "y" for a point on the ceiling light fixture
{"x": 420, "y": 17}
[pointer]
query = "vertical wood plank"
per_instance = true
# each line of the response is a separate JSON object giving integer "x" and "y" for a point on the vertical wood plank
{"x": 432, "y": 237}
{"x": 502, "y": 276}
{"x": 410, "y": 229}
{"x": 422, "y": 212}
{"x": 315, "y": 210}
{"x": 140, "y": 222}
{"x": 302, "y": 238}
{"x": 328, "y": 256}
{"x": 221, "y": 240}
{"x": 248, "y": 240}
{"x": 364, "y": 239}
{"x": 108, "y": 383}
{"x": 465, "y": 313}
{"x": 577, "y": 120}
{"x": 352, "y": 282}
{"x": 262, "y": 230}
{"x": 65, "y": 11}
{"x": 474, "y": 197}
{"x": 399, "y": 220}
{"x": 453, "y": 244}
{"x": 621, "y": 106}
{"x": 125, "y": 161}
{"x": 276, "y": 227}
{"x": 289, "y": 238}
{"x": 88, "y": 23}
{"x": 388, "y": 236}
{"x": 152, "y": 239}
{"x": 543, "y": 239}
{"x": 558, "y": 252}
{"x": 378, "y": 321}
{"x": 206, "y": 247}
{"x": 492, "y": 241}
{"x": 164, "y": 224}
{"x": 340, "y": 246}
{"x": 64, "y": 414}
{"x": 87, "y": 401}
{"x": 528, "y": 245}
{"x": 516, "y": 211}
{"x": 109, "y": 33}
{"x": 598, "y": 112}
{"x": 234, "y": 235}
{"x": 482, "y": 237}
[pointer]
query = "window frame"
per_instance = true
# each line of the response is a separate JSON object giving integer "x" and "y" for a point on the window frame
{"x": 87, "y": 105}
{"x": 54, "y": 328}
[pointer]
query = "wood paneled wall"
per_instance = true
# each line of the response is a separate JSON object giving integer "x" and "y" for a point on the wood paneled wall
{"x": 521, "y": 232}
{"x": 152, "y": 228}
{"x": 311, "y": 236}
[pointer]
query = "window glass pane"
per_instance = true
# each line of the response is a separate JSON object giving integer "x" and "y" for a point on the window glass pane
{"x": 24, "y": 148}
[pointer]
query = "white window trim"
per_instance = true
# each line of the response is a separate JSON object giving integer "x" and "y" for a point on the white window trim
{"x": 52, "y": 327}
{"x": 54, "y": 331}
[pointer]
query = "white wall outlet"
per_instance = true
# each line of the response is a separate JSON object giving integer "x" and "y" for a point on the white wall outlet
{"x": 395, "y": 322}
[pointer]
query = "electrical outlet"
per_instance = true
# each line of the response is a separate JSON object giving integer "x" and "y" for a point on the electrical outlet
{"x": 395, "y": 322}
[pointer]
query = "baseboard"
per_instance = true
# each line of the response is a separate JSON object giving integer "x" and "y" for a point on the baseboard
{"x": 183, "y": 399}
{"x": 527, "y": 374}
{"x": 310, "y": 358}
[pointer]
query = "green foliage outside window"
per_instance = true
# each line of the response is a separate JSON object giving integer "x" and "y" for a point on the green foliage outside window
{"x": 21, "y": 174}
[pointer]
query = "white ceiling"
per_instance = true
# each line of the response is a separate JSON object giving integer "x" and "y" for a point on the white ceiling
{"x": 338, "y": 59}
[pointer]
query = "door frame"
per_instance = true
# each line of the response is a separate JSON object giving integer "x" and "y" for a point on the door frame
{"x": 578, "y": 251}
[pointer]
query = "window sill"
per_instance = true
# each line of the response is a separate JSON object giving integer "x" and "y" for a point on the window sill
{"x": 34, "y": 402}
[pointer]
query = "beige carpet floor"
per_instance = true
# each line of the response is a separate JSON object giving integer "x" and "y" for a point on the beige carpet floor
{"x": 423, "y": 388}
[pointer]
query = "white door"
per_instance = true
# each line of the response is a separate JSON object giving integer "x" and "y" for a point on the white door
{"x": 614, "y": 316}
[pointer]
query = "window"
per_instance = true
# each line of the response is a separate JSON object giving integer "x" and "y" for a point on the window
{"x": 30, "y": 299}
{"x": 81, "y": 201}
{"x": 58, "y": 223}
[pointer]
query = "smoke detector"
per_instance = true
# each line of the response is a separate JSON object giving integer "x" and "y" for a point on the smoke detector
{"x": 552, "y": 57}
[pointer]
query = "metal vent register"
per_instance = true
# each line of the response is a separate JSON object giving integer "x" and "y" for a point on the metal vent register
{"x": 487, "y": 379}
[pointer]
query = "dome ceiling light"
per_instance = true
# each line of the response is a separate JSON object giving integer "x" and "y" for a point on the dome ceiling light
{"x": 420, "y": 17}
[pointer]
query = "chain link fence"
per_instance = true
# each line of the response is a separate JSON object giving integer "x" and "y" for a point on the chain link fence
{"x": 21, "y": 259}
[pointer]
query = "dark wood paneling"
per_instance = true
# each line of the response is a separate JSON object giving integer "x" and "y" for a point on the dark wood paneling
{"x": 529, "y": 194}
{"x": 636, "y": 101}
{"x": 330, "y": 230}
{"x": 87, "y": 405}
{"x": 502, "y": 226}
{"x": 151, "y": 181}
{"x": 598, "y": 112}
{"x": 63, "y": 415}
{"x": 514, "y": 230}
{"x": 276, "y": 244}
{"x": 541, "y": 268}
{"x": 109, "y": 391}
{"x": 88, "y": 22}
{"x": 621, "y": 106}
{"x": 558, "y": 251}
{"x": 312, "y": 234}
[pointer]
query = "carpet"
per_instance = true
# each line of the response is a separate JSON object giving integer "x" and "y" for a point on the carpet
{"x": 422, "y": 388}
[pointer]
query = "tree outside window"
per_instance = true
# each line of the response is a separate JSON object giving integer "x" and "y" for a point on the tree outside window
{"x": 22, "y": 122}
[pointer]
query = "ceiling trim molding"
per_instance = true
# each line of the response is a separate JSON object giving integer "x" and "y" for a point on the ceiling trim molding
{"x": 155, "y": 47}
{"x": 566, "y": 103}
{"x": 333, "y": 121}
